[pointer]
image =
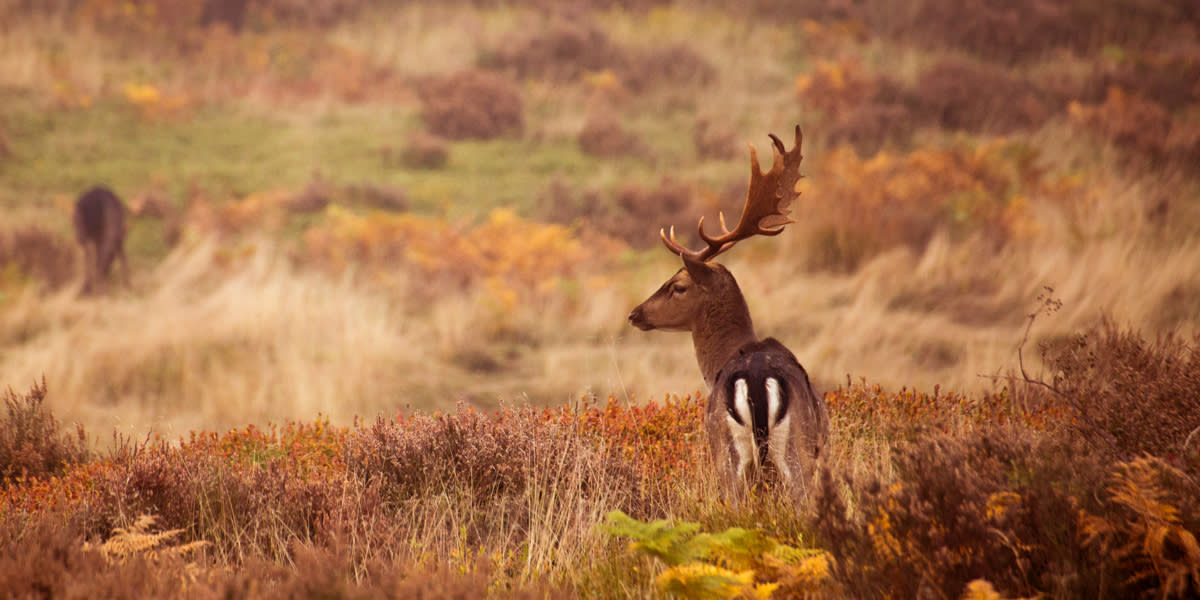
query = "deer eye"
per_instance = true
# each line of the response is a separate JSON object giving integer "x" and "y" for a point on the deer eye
{"x": 678, "y": 288}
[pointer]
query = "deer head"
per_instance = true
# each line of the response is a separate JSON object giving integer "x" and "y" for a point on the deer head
{"x": 703, "y": 296}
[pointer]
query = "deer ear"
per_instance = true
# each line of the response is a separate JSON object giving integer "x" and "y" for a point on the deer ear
{"x": 699, "y": 270}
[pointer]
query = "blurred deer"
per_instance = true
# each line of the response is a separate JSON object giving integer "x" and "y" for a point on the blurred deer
{"x": 100, "y": 229}
{"x": 763, "y": 419}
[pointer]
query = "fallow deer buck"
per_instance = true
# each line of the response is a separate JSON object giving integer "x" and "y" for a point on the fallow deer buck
{"x": 763, "y": 414}
{"x": 100, "y": 229}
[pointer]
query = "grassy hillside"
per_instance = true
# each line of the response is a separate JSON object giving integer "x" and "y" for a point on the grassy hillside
{"x": 438, "y": 215}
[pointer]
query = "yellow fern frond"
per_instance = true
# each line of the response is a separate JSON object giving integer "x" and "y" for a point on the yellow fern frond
{"x": 699, "y": 580}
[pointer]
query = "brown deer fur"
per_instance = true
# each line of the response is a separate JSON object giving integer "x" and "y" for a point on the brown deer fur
{"x": 763, "y": 415}
{"x": 100, "y": 230}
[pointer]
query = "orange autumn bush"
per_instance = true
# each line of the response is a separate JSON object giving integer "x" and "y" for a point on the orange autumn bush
{"x": 506, "y": 251}
{"x": 866, "y": 206}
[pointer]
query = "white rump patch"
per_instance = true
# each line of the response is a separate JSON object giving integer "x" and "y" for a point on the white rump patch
{"x": 742, "y": 433}
{"x": 777, "y": 435}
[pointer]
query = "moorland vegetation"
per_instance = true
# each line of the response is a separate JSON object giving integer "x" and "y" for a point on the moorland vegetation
{"x": 375, "y": 343}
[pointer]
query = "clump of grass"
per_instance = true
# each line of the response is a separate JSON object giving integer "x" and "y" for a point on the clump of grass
{"x": 35, "y": 253}
{"x": 32, "y": 443}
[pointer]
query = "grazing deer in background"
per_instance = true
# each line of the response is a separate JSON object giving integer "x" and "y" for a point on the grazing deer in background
{"x": 763, "y": 413}
{"x": 100, "y": 229}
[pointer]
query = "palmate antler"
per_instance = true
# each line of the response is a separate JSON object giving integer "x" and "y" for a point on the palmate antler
{"x": 766, "y": 210}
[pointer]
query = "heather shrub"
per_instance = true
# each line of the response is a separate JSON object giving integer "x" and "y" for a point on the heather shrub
{"x": 46, "y": 559}
{"x": 240, "y": 491}
{"x": 961, "y": 94}
{"x": 563, "y": 53}
{"x": 37, "y": 254}
{"x": 1024, "y": 30}
{"x": 869, "y": 127}
{"x": 987, "y": 505}
{"x": 1163, "y": 76}
{"x": 471, "y": 104}
{"x": 425, "y": 151}
{"x": 32, "y": 444}
{"x": 673, "y": 66}
{"x": 626, "y": 213}
{"x": 714, "y": 141}
{"x": 489, "y": 458}
{"x": 604, "y": 136}
{"x": 837, "y": 87}
{"x": 866, "y": 111}
{"x": 1142, "y": 129}
{"x": 1132, "y": 396}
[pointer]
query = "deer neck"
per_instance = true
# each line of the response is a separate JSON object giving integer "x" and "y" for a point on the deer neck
{"x": 718, "y": 334}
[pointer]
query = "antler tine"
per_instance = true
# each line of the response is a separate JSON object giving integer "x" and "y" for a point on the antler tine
{"x": 673, "y": 245}
{"x": 766, "y": 209}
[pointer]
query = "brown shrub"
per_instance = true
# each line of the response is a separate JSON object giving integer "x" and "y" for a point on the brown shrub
{"x": 488, "y": 458}
{"x": 300, "y": 12}
{"x": 1133, "y": 396}
{"x": 562, "y": 53}
{"x": 714, "y": 141}
{"x": 425, "y": 151}
{"x": 1143, "y": 536}
{"x": 1023, "y": 30}
{"x": 1165, "y": 77}
{"x": 39, "y": 254}
{"x": 673, "y": 65}
{"x": 836, "y": 88}
{"x": 32, "y": 444}
{"x": 239, "y": 491}
{"x": 867, "y": 110}
{"x": 1138, "y": 126}
{"x": 960, "y": 94}
{"x": 604, "y": 136}
{"x": 47, "y": 559}
{"x": 865, "y": 206}
{"x": 471, "y": 104}
{"x": 631, "y": 213}
{"x": 868, "y": 127}
{"x": 990, "y": 505}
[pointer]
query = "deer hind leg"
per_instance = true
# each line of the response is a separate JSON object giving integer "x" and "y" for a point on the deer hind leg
{"x": 90, "y": 260}
{"x": 124, "y": 260}
{"x": 777, "y": 436}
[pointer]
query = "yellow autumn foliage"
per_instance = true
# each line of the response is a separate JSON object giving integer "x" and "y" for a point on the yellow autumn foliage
{"x": 505, "y": 251}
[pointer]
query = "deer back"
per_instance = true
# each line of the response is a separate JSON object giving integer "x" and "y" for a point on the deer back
{"x": 100, "y": 219}
{"x": 765, "y": 413}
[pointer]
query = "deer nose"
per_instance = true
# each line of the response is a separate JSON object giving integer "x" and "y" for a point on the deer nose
{"x": 637, "y": 318}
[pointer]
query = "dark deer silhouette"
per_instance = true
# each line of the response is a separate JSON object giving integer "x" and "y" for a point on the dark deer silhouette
{"x": 763, "y": 414}
{"x": 100, "y": 230}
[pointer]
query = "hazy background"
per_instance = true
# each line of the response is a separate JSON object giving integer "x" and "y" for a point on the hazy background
{"x": 351, "y": 207}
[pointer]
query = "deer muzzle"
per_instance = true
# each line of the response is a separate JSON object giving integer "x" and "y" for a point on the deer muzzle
{"x": 637, "y": 318}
